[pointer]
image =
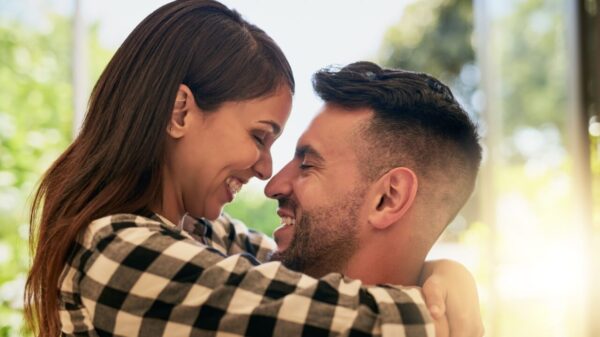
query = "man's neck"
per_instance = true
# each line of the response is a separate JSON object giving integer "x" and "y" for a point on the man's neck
{"x": 377, "y": 264}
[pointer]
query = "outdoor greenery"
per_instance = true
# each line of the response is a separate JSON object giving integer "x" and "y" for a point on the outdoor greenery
{"x": 435, "y": 37}
{"x": 255, "y": 210}
{"x": 35, "y": 125}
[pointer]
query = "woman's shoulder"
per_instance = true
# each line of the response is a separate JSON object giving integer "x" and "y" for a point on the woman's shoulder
{"x": 124, "y": 220}
{"x": 124, "y": 224}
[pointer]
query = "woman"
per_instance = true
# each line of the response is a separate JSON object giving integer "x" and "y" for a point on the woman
{"x": 184, "y": 114}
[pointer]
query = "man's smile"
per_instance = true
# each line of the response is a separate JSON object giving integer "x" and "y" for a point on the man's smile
{"x": 285, "y": 232}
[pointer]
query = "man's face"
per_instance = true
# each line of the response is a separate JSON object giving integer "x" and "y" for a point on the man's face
{"x": 320, "y": 195}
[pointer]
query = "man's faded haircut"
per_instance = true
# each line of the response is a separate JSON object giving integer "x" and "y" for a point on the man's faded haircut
{"x": 417, "y": 123}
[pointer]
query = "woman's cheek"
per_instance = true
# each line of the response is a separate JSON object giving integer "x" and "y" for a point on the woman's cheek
{"x": 251, "y": 156}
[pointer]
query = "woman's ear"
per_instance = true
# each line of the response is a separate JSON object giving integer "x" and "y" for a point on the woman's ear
{"x": 184, "y": 102}
{"x": 394, "y": 195}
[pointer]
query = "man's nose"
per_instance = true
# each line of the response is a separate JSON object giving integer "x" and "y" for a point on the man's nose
{"x": 280, "y": 185}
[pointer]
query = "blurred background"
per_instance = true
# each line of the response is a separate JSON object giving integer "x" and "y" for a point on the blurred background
{"x": 527, "y": 71}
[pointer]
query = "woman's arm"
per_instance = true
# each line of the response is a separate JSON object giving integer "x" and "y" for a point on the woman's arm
{"x": 138, "y": 278}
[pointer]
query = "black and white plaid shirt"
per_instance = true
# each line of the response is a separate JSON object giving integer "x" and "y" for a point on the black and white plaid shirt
{"x": 132, "y": 275}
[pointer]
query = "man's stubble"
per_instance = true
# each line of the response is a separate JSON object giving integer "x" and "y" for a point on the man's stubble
{"x": 326, "y": 237}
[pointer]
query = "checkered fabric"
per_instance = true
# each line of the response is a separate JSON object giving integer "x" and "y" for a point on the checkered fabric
{"x": 132, "y": 275}
{"x": 230, "y": 236}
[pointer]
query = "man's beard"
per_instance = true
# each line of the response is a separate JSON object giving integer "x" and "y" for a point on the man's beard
{"x": 325, "y": 238}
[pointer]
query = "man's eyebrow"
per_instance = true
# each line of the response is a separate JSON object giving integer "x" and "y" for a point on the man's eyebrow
{"x": 305, "y": 150}
{"x": 276, "y": 128}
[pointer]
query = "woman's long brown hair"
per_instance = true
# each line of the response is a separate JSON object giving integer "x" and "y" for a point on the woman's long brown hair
{"x": 114, "y": 164}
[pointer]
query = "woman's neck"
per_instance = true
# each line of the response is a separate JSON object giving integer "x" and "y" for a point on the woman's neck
{"x": 170, "y": 205}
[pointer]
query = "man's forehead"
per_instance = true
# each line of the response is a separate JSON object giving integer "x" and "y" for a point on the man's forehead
{"x": 333, "y": 130}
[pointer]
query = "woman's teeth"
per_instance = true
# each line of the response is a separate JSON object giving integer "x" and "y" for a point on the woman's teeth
{"x": 286, "y": 220}
{"x": 234, "y": 185}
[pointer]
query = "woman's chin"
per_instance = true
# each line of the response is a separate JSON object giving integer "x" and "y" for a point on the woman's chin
{"x": 213, "y": 213}
{"x": 208, "y": 213}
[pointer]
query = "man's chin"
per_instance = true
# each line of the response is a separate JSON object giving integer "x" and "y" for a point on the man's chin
{"x": 275, "y": 256}
{"x": 290, "y": 263}
{"x": 278, "y": 255}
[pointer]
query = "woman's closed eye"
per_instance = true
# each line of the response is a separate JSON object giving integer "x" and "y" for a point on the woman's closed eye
{"x": 260, "y": 137}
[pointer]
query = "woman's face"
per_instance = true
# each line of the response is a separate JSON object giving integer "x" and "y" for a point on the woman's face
{"x": 219, "y": 151}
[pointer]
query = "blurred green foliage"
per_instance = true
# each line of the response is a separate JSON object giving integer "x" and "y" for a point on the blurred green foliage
{"x": 35, "y": 127}
{"x": 255, "y": 210}
{"x": 432, "y": 36}
{"x": 532, "y": 50}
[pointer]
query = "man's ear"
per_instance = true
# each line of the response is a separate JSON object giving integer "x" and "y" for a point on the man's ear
{"x": 184, "y": 102}
{"x": 395, "y": 193}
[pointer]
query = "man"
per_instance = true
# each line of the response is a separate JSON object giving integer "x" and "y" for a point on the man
{"x": 377, "y": 176}
{"x": 381, "y": 171}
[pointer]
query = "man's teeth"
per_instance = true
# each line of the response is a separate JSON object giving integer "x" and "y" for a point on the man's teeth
{"x": 286, "y": 220}
{"x": 234, "y": 185}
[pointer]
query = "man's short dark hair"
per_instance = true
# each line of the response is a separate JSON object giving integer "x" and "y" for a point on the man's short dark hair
{"x": 417, "y": 123}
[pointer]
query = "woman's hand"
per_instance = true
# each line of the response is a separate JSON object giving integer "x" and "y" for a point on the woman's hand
{"x": 451, "y": 296}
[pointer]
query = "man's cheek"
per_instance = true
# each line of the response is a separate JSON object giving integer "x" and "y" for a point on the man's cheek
{"x": 309, "y": 193}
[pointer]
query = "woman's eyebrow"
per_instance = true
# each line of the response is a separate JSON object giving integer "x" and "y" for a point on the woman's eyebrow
{"x": 275, "y": 127}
